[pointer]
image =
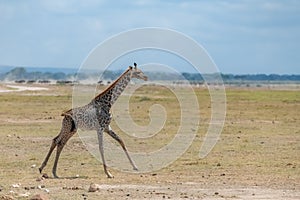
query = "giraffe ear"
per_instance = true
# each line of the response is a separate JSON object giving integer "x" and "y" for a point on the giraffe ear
{"x": 130, "y": 67}
{"x": 135, "y": 65}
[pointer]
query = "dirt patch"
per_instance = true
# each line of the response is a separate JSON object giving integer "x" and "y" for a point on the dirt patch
{"x": 189, "y": 190}
{"x": 19, "y": 88}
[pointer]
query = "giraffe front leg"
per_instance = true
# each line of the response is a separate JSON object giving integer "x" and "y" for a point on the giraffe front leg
{"x": 100, "y": 139}
{"x": 120, "y": 141}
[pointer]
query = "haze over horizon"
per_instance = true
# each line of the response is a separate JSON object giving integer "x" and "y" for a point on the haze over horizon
{"x": 242, "y": 37}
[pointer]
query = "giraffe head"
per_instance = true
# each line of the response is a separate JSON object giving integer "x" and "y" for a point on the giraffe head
{"x": 137, "y": 73}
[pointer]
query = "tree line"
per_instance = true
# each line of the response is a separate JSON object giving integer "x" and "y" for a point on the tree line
{"x": 20, "y": 73}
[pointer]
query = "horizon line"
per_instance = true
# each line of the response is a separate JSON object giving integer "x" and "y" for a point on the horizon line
{"x": 77, "y": 68}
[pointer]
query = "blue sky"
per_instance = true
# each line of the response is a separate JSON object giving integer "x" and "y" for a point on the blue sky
{"x": 242, "y": 36}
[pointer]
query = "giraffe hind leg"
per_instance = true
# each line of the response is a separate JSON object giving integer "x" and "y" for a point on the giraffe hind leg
{"x": 60, "y": 147}
{"x": 53, "y": 145}
{"x": 67, "y": 131}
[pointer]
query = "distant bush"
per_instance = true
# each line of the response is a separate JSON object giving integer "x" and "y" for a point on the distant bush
{"x": 144, "y": 98}
{"x": 20, "y": 73}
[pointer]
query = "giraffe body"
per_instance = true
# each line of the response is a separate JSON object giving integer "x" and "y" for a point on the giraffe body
{"x": 94, "y": 116}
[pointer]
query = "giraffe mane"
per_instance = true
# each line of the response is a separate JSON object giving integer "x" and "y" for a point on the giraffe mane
{"x": 67, "y": 113}
{"x": 114, "y": 83}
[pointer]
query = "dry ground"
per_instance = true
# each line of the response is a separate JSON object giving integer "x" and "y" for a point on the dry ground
{"x": 257, "y": 156}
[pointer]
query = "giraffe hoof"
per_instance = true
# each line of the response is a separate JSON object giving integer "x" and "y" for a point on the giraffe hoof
{"x": 55, "y": 176}
{"x": 135, "y": 169}
{"x": 109, "y": 175}
{"x": 40, "y": 170}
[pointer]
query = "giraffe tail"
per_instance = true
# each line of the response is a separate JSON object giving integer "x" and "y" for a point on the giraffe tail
{"x": 67, "y": 113}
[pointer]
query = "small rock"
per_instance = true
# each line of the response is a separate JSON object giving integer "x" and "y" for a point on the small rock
{"x": 84, "y": 196}
{"x": 33, "y": 166}
{"x": 6, "y": 197}
{"x": 45, "y": 176}
{"x": 72, "y": 188}
{"x": 24, "y": 194}
{"x": 94, "y": 187}
{"x": 40, "y": 179}
{"x": 17, "y": 185}
{"x": 40, "y": 186}
{"x": 39, "y": 197}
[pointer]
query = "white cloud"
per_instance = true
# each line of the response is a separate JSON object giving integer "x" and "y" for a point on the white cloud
{"x": 49, "y": 28}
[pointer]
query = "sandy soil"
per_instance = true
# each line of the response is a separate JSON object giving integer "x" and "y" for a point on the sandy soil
{"x": 19, "y": 88}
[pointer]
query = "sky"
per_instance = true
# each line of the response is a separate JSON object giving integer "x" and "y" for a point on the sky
{"x": 241, "y": 36}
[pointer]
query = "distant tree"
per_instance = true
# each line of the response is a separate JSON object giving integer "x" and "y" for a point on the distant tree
{"x": 192, "y": 76}
{"x": 59, "y": 76}
{"x": 16, "y": 73}
{"x": 20, "y": 73}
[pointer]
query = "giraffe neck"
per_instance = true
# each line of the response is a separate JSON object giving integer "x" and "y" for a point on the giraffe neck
{"x": 111, "y": 94}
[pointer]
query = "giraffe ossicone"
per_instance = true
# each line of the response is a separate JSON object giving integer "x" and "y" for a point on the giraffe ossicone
{"x": 94, "y": 116}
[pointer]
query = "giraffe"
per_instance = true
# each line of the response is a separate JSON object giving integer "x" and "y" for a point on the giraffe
{"x": 94, "y": 116}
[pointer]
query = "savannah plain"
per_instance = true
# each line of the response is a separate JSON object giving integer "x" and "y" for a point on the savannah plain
{"x": 256, "y": 157}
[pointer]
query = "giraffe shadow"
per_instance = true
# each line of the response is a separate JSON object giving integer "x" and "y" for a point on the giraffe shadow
{"x": 69, "y": 177}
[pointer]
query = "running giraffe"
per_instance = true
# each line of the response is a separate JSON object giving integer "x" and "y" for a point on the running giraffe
{"x": 94, "y": 116}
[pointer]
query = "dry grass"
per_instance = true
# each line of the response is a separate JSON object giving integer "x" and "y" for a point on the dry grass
{"x": 259, "y": 147}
